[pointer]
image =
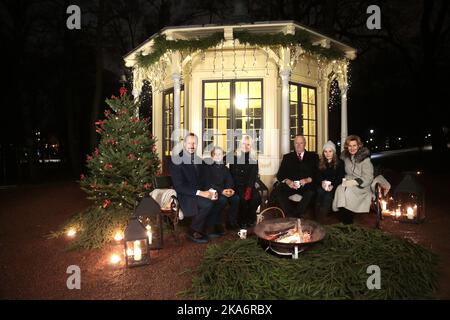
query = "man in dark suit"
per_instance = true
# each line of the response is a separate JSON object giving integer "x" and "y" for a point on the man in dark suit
{"x": 296, "y": 174}
{"x": 185, "y": 169}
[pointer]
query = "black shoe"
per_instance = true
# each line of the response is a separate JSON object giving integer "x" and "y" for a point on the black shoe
{"x": 197, "y": 237}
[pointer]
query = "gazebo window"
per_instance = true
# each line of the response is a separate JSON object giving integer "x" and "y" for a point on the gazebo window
{"x": 303, "y": 114}
{"x": 168, "y": 119}
{"x": 232, "y": 107}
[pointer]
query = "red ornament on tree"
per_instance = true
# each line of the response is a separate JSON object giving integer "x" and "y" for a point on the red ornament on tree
{"x": 136, "y": 142}
{"x": 108, "y": 166}
{"x": 122, "y": 91}
{"x": 106, "y": 203}
{"x": 154, "y": 148}
{"x": 107, "y": 112}
{"x": 89, "y": 157}
{"x": 114, "y": 97}
{"x": 97, "y": 152}
{"x": 147, "y": 186}
{"x": 82, "y": 177}
{"x": 131, "y": 156}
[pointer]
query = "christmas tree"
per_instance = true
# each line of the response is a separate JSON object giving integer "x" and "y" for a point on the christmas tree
{"x": 122, "y": 167}
{"x": 120, "y": 171}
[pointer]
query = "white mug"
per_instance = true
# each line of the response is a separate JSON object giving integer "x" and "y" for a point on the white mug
{"x": 215, "y": 195}
{"x": 327, "y": 185}
{"x": 242, "y": 233}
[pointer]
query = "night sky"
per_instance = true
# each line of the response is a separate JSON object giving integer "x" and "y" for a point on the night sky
{"x": 56, "y": 79}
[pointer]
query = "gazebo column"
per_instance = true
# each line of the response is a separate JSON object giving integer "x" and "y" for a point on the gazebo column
{"x": 344, "y": 125}
{"x": 176, "y": 104}
{"x": 176, "y": 77}
{"x": 285, "y": 121}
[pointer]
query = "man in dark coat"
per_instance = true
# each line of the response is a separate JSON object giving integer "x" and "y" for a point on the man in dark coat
{"x": 185, "y": 169}
{"x": 297, "y": 172}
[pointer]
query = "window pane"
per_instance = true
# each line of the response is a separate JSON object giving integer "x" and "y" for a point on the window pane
{"x": 224, "y": 106}
{"x": 242, "y": 88}
{"x": 255, "y": 89}
{"x": 304, "y": 94}
{"x": 312, "y": 96}
{"x": 210, "y": 90}
{"x": 293, "y": 109}
{"x": 293, "y": 92}
{"x": 224, "y": 90}
{"x": 312, "y": 112}
{"x": 305, "y": 127}
{"x": 222, "y": 125}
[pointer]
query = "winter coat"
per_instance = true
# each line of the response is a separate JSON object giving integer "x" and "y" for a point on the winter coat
{"x": 356, "y": 198}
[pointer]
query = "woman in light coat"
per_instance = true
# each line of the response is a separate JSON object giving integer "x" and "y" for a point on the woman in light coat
{"x": 354, "y": 194}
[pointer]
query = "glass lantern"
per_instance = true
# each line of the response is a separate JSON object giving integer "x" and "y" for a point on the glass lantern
{"x": 149, "y": 213}
{"x": 137, "y": 250}
{"x": 409, "y": 200}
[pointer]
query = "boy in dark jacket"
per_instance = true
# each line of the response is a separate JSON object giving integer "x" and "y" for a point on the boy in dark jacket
{"x": 218, "y": 177}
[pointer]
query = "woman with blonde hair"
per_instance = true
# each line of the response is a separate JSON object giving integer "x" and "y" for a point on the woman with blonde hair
{"x": 329, "y": 176}
{"x": 244, "y": 170}
{"x": 354, "y": 195}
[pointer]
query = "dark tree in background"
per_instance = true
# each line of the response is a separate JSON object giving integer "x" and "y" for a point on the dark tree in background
{"x": 59, "y": 78}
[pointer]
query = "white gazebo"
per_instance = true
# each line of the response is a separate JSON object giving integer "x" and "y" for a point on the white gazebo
{"x": 270, "y": 80}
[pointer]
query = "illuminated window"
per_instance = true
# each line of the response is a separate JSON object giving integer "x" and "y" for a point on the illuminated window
{"x": 234, "y": 105}
{"x": 168, "y": 119}
{"x": 303, "y": 114}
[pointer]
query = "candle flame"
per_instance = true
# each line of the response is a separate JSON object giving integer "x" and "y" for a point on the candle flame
{"x": 115, "y": 259}
{"x": 118, "y": 236}
{"x": 71, "y": 232}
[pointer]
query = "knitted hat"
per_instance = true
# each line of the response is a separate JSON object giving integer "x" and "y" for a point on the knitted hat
{"x": 329, "y": 145}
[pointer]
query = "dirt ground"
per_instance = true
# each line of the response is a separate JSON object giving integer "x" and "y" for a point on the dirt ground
{"x": 33, "y": 267}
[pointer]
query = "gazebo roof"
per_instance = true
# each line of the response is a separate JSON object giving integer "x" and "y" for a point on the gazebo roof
{"x": 199, "y": 31}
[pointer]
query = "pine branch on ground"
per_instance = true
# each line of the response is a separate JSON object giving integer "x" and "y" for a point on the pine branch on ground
{"x": 335, "y": 269}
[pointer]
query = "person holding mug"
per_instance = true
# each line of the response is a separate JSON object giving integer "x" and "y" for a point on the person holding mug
{"x": 329, "y": 176}
{"x": 218, "y": 178}
{"x": 354, "y": 195}
{"x": 244, "y": 170}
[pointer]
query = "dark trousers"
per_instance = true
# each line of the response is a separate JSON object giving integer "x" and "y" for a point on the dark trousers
{"x": 204, "y": 206}
{"x": 324, "y": 199}
{"x": 247, "y": 209}
{"x": 292, "y": 208}
{"x": 214, "y": 218}
{"x": 345, "y": 216}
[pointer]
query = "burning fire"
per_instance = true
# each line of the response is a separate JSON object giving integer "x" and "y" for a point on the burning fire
{"x": 295, "y": 235}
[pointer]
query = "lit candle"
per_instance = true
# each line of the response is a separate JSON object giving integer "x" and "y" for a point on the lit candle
{"x": 71, "y": 232}
{"x": 137, "y": 251}
{"x": 383, "y": 205}
{"x": 410, "y": 213}
{"x": 149, "y": 233}
{"x": 398, "y": 213}
{"x": 137, "y": 254}
{"x": 115, "y": 259}
{"x": 118, "y": 236}
{"x": 129, "y": 252}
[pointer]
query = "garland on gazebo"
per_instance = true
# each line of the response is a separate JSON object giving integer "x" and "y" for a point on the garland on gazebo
{"x": 300, "y": 38}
